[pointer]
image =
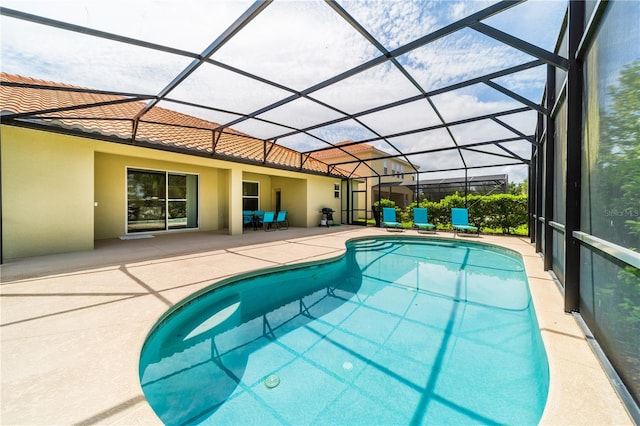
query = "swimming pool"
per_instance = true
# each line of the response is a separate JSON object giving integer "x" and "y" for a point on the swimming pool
{"x": 399, "y": 330}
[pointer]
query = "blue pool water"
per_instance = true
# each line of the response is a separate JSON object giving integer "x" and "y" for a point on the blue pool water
{"x": 398, "y": 331}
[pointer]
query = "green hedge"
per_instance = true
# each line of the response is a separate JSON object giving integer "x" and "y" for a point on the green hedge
{"x": 500, "y": 211}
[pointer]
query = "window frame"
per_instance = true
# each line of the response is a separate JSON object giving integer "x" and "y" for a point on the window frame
{"x": 167, "y": 199}
{"x": 256, "y": 197}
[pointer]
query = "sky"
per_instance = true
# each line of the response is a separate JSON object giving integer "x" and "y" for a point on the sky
{"x": 298, "y": 44}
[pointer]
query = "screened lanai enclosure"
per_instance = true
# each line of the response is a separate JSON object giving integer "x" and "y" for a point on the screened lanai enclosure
{"x": 543, "y": 91}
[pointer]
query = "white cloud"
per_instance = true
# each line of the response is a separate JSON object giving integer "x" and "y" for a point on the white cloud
{"x": 459, "y": 105}
{"x": 403, "y": 118}
{"x": 374, "y": 87}
{"x": 459, "y": 57}
{"x": 462, "y": 8}
{"x": 336, "y": 133}
{"x": 535, "y": 21}
{"x": 186, "y": 24}
{"x": 394, "y": 23}
{"x": 301, "y": 142}
{"x": 297, "y": 44}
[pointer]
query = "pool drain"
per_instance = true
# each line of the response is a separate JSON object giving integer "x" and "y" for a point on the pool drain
{"x": 347, "y": 366}
{"x": 272, "y": 381}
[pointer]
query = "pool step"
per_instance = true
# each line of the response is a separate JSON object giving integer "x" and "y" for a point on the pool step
{"x": 373, "y": 245}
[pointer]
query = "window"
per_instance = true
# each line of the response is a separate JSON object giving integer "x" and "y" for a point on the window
{"x": 384, "y": 169}
{"x": 250, "y": 195}
{"x": 159, "y": 201}
{"x": 336, "y": 190}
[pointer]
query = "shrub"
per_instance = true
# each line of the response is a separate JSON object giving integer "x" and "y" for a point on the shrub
{"x": 499, "y": 211}
{"x": 384, "y": 202}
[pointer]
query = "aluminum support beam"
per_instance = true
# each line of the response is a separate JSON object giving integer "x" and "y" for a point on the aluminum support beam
{"x": 67, "y": 108}
{"x": 531, "y": 202}
{"x": 574, "y": 158}
{"x": 371, "y": 39}
{"x": 429, "y": 151}
{"x": 535, "y": 51}
{"x": 538, "y": 183}
{"x": 513, "y": 129}
{"x": 440, "y": 126}
{"x": 416, "y": 98}
{"x": 512, "y": 155}
{"x": 91, "y": 32}
{"x": 549, "y": 163}
{"x": 232, "y": 30}
{"x": 436, "y": 35}
{"x": 515, "y": 96}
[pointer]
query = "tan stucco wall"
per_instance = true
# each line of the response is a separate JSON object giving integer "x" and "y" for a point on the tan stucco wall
{"x": 264, "y": 187}
{"x": 320, "y": 196}
{"x": 47, "y": 193}
{"x": 293, "y": 196}
{"x": 50, "y": 183}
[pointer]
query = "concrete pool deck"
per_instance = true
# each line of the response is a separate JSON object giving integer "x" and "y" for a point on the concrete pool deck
{"x": 72, "y": 325}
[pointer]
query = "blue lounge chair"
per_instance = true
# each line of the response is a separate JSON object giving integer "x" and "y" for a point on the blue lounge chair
{"x": 281, "y": 220}
{"x": 421, "y": 220}
{"x": 269, "y": 221}
{"x": 460, "y": 221}
{"x": 389, "y": 219}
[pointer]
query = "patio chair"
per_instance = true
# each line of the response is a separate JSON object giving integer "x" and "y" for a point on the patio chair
{"x": 247, "y": 219}
{"x": 269, "y": 221}
{"x": 258, "y": 215}
{"x": 281, "y": 220}
{"x": 421, "y": 220}
{"x": 460, "y": 221}
{"x": 389, "y": 219}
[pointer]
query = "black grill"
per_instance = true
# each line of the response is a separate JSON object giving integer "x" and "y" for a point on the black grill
{"x": 327, "y": 215}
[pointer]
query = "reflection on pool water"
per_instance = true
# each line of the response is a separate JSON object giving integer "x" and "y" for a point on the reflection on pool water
{"x": 399, "y": 330}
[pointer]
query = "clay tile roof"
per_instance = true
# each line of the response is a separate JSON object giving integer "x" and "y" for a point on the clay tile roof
{"x": 159, "y": 126}
{"x": 329, "y": 153}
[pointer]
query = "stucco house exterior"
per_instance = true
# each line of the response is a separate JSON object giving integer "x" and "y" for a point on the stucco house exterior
{"x": 384, "y": 173}
{"x": 79, "y": 165}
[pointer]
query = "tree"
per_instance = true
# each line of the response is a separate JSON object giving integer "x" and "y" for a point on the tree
{"x": 615, "y": 215}
{"x": 521, "y": 188}
{"x": 617, "y": 173}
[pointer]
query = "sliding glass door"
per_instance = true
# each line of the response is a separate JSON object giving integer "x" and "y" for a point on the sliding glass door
{"x": 146, "y": 201}
{"x": 159, "y": 201}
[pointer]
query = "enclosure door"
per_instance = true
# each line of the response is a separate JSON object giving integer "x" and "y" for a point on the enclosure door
{"x": 358, "y": 212}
